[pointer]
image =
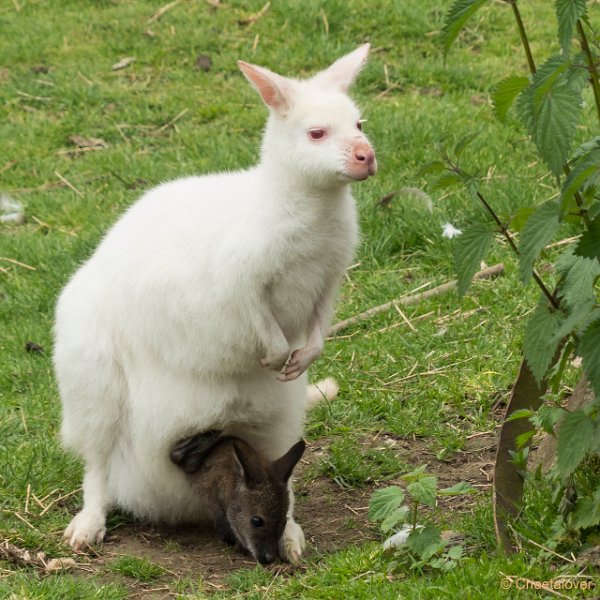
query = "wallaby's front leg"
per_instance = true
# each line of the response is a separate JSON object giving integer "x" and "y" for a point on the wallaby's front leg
{"x": 89, "y": 525}
{"x": 292, "y": 543}
{"x": 277, "y": 348}
{"x": 302, "y": 358}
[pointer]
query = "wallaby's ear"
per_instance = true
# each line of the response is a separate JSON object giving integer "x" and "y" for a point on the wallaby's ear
{"x": 249, "y": 463}
{"x": 284, "y": 466}
{"x": 273, "y": 89}
{"x": 189, "y": 453}
{"x": 342, "y": 73}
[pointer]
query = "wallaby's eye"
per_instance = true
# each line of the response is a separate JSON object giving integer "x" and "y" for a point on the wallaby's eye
{"x": 359, "y": 124}
{"x": 257, "y": 521}
{"x": 316, "y": 134}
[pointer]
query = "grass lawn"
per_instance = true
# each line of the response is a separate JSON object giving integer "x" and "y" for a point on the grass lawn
{"x": 431, "y": 379}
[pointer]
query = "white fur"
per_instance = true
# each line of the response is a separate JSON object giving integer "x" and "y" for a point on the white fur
{"x": 162, "y": 332}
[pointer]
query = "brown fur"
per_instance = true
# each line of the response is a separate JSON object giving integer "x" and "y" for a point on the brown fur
{"x": 246, "y": 494}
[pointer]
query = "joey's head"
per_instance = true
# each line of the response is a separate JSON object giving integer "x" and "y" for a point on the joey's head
{"x": 315, "y": 131}
{"x": 247, "y": 493}
{"x": 257, "y": 510}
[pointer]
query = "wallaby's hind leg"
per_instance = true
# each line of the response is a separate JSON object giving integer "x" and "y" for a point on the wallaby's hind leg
{"x": 92, "y": 388}
{"x": 89, "y": 525}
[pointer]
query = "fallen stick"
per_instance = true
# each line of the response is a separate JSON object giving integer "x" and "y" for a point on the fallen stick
{"x": 410, "y": 300}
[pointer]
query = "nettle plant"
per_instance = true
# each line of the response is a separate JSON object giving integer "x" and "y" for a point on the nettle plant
{"x": 549, "y": 102}
{"x": 415, "y": 545}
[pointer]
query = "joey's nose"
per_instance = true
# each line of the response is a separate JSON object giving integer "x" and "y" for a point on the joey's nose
{"x": 267, "y": 558}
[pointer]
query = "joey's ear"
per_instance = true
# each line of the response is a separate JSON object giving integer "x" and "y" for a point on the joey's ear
{"x": 284, "y": 466}
{"x": 273, "y": 89}
{"x": 249, "y": 463}
{"x": 189, "y": 453}
{"x": 342, "y": 73}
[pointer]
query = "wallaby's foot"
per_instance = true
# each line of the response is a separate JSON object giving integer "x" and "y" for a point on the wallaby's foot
{"x": 325, "y": 389}
{"x": 86, "y": 528}
{"x": 292, "y": 543}
{"x": 298, "y": 362}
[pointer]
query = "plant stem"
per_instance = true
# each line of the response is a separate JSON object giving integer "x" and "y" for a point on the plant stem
{"x": 523, "y": 35}
{"x": 591, "y": 64}
{"x": 550, "y": 297}
{"x": 415, "y": 512}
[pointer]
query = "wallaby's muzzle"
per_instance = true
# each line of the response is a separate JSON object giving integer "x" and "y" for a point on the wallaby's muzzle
{"x": 362, "y": 163}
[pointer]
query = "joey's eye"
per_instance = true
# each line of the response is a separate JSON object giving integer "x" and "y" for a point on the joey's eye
{"x": 359, "y": 124}
{"x": 316, "y": 134}
{"x": 257, "y": 521}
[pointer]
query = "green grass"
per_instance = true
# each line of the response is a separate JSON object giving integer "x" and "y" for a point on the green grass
{"x": 437, "y": 381}
{"x": 136, "y": 568}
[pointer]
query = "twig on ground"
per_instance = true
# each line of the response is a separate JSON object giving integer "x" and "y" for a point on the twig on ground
{"x": 18, "y": 263}
{"x": 68, "y": 184}
{"x": 22, "y": 557}
{"x": 410, "y": 300}
{"x": 8, "y": 165}
{"x": 250, "y": 20}
{"x": 172, "y": 121}
{"x": 161, "y": 11}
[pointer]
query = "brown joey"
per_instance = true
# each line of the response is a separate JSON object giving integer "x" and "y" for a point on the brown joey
{"x": 246, "y": 494}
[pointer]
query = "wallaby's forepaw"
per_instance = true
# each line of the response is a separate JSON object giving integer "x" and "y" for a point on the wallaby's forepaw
{"x": 292, "y": 543}
{"x": 86, "y": 529}
{"x": 275, "y": 358}
{"x": 298, "y": 362}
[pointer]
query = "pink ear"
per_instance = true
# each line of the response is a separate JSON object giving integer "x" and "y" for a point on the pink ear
{"x": 273, "y": 88}
{"x": 342, "y": 73}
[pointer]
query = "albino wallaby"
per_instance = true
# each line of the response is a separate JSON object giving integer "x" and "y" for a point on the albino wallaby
{"x": 205, "y": 303}
{"x": 246, "y": 494}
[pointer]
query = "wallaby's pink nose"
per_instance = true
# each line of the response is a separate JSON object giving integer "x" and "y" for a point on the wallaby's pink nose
{"x": 363, "y": 161}
{"x": 364, "y": 154}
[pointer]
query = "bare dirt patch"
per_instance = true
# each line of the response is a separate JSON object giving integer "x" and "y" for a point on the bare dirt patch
{"x": 332, "y": 517}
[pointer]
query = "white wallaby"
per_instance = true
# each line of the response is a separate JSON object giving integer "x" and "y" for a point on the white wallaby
{"x": 205, "y": 303}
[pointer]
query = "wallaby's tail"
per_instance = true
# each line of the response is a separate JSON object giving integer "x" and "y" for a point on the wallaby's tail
{"x": 326, "y": 389}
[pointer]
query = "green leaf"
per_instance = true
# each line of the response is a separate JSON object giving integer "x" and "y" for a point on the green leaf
{"x": 589, "y": 350}
{"x": 575, "y": 440}
{"x": 469, "y": 250}
{"x": 541, "y": 340}
{"x": 433, "y": 166}
{"x": 547, "y": 417}
{"x": 505, "y": 92}
{"x": 396, "y": 517}
{"x": 583, "y": 314}
{"x": 524, "y": 438}
{"x": 423, "y": 490}
{"x": 538, "y": 231}
{"x": 577, "y": 287}
{"x": 550, "y": 109}
{"x": 447, "y": 180}
{"x": 455, "y": 552}
{"x": 557, "y": 119}
{"x": 425, "y": 542}
{"x": 567, "y": 13}
{"x": 519, "y": 219}
{"x": 585, "y": 169}
{"x": 461, "y": 145}
{"x": 460, "y": 12}
{"x": 587, "y": 511}
{"x": 416, "y": 474}
{"x": 522, "y": 413}
{"x": 586, "y": 147}
{"x": 384, "y": 502}
{"x": 457, "y": 489}
{"x": 589, "y": 244}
